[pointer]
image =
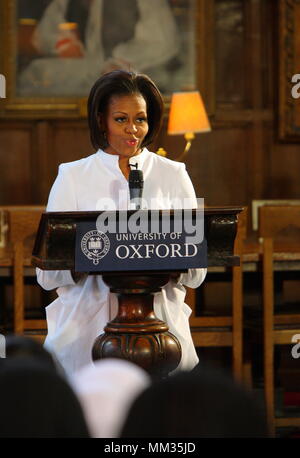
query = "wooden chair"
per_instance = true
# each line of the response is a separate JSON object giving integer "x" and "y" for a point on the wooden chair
{"x": 279, "y": 228}
{"x": 225, "y": 331}
{"x": 22, "y": 226}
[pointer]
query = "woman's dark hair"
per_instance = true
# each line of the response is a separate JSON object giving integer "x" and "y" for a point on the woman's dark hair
{"x": 120, "y": 83}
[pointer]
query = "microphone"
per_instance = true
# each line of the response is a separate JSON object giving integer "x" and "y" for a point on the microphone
{"x": 136, "y": 185}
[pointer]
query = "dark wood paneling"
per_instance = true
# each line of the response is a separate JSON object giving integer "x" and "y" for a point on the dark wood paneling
{"x": 16, "y": 164}
{"x": 70, "y": 142}
{"x": 58, "y": 142}
{"x": 81, "y": 146}
{"x": 285, "y": 172}
{"x": 221, "y": 159}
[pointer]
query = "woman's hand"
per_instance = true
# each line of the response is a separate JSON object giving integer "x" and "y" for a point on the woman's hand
{"x": 174, "y": 276}
{"x": 77, "y": 276}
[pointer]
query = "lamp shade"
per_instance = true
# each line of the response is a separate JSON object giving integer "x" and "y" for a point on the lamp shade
{"x": 187, "y": 114}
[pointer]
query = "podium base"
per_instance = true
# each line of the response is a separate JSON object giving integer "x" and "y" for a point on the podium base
{"x": 136, "y": 334}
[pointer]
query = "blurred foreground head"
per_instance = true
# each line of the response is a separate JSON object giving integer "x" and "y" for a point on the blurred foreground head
{"x": 37, "y": 402}
{"x": 202, "y": 403}
{"x": 106, "y": 391}
{"x": 23, "y": 347}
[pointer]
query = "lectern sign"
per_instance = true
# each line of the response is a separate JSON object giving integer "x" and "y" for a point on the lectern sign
{"x": 143, "y": 243}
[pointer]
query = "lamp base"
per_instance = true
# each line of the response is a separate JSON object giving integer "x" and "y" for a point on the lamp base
{"x": 189, "y": 136}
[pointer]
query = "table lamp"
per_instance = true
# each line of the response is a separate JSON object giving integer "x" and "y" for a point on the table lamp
{"x": 187, "y": 117}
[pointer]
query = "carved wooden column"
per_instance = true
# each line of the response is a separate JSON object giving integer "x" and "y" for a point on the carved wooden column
{"x": 136, "y": 334}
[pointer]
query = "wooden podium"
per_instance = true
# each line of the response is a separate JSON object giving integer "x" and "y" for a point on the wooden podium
{"x": 135, "y": 333}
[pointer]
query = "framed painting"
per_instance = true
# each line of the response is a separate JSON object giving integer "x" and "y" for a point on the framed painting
{"x": 54, "y": 50}
{"x": 289, "y": 70}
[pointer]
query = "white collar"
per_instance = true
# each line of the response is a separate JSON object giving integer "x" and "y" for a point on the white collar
{"x": 111, "y": 160}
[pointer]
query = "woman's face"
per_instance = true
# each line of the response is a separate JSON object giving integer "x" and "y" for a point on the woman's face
{"x": 126, "y": 124}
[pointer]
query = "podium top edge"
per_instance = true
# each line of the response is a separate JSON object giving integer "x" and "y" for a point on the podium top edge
{"x": 207, "y": 211}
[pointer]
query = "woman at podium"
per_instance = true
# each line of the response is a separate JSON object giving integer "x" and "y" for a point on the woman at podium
{"x": 125, "y": 113}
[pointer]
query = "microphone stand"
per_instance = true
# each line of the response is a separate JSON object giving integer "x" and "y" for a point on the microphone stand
{"x": 136, "y": 184}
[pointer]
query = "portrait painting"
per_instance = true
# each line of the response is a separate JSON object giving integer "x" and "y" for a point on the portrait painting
{"x": 58, "y": 48}
{"x": 73, "y": 42}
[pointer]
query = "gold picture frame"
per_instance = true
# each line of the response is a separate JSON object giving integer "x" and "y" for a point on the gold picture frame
{"x": 289, "y": 66}
{"x": 21, "y": 103}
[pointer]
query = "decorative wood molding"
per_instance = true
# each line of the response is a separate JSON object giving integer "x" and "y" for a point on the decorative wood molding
{"x": 289, "y": 65}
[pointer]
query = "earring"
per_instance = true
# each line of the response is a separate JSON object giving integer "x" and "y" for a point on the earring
{"x": 104, "y": 135}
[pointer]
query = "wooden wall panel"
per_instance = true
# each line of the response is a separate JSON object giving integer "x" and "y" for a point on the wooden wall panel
{"x": 77, "y": 134}
{"x": 285, "y": 172}
{"x": 16, "y": 164}
{"x": 70, "y": 142}
{"x": 221, "y": 159}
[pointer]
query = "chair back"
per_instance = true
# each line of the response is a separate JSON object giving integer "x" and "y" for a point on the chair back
{"x": 219, "y": 330}
{"x": 279, "y": 228}
{"x": 281, "y": 223}
{"x": 23, "y": 223}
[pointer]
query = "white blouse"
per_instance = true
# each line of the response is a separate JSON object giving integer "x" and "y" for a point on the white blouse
{"x": 82, "y": 309}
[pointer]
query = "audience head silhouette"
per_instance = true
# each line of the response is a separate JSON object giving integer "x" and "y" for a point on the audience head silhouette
{"x": 23, "y": 347}
{"x": 202, "y": 403}
{"x": 37, "y": 402}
